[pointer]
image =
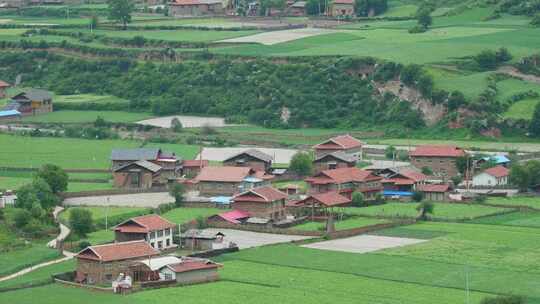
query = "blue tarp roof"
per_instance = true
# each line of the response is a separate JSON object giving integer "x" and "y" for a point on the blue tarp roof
{"x": 9, "y": 113}
{"x": 223, "y": 200}
{"x": 499, "y": 159}
{"x": 397, "y": 193}
{"x": 250, "y": 179}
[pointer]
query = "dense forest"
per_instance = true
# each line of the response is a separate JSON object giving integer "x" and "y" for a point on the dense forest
{"x": 315, "y": 93}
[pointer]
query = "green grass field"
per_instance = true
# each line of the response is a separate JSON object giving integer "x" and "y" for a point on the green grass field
{"x": 518, "y": 201}
{"x": 522, "y": 109}
{"x": 99, "y": 213}
{"x": 349, "y": 223}
{"x": 39, "y": 275}
{"x": 524, "y": 219}
{"x": 72, "y": 153}
{"x": 87, "y": 116}
{"x": 88, "y": 98}
{"x": 442, "y": 211}
{"x": 35, "y": 253}
{"x": 184, "y": 215}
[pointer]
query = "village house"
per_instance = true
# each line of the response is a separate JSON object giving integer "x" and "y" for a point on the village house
{"x": 3, "y": 87}
{"x": 31, "y": 102}
{"x": 435, "y": 192}
{"x": 102, "y": 264}
{"x": 345, "y": 181}
{"x": 195, "y": 239}
{"x": 143, "y": 167}
{"x": 499, "y": 160}
{"x": 334, "y": 160}
{"x": 152, "y": 228}
{"x": 263, "y": 202}
{"x": 227, "y": 180}
{"x": 495, "y": 176}
{"x": 343, "y": 143}
{"x": 194, "y": 8}
{"x": 232, "y": 217}
{"x": 251, "y": 158}
{"x": 297, "y": 9}
{"x": 342, "y": 8}
{"x": 440, "y": 159}
{"x": 10, "y": 115}
{"x": 190, "y": 168}
{"x": 190, "y": 271}
{"x": 403, "y": 180}
{"x": 319, "y": 204}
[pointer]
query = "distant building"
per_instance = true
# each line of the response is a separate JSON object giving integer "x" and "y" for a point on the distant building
{"x": 440, "y": 159}
{"x": 195, "y": 239}
{"x": 439, "y": 192}
{"x": 404, "y": 180}
{"x": 499, "y": 160}
{"x": 251, "y": 158}
{"x": 155, "y": 230}
{"x": 194, "y": 8}
{"x": 263, "y": 202}
{"x": 190, "y": 168}
{"x": 227, "y": 180}
{"x": 297, "y": 9}
{"x": 320, "y": 204}
{"x": 342, "y": 8}
{"x": 103, "y": 263}
{"x": 345, "y": 181}
{"x": 31, "y": 102}
{"x": 10, "y": 115}
{"x": 343, "y": 143}
{"x": 495, "y": 176}
{"x": 334, "y": 160}
{"x": 190, "y": 271}
{"x": 3, "y": 87}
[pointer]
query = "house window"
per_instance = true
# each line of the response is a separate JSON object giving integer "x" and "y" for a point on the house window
{"x": 332, "y": 166}
{"x": 168, "y": 276}
{"x": 153, "y": 245}
{"x": 135, "y": 179}
{"x": 168, "y": 242}
{"x": 153, "y": 235}
{"x": 160, "y": 244}
{"x": 167, "y": 231}
{"x": 160, "y": 233}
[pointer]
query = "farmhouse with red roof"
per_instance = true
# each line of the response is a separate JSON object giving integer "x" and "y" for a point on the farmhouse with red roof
{"x": 495, "y": 176}
{"x": 345, "y": 181}
{"x": 263, "y": 202}
{"x": 435, "y": 192}
{"x": 194, "y": 8}
{"x": 154, "y": 229}
{"x": 342, "y": 8}
{"x": 404, "y": 179}
{"x": 227, "y": 180}
{"x": 440, "y": 159}
{"x": 343, "y": 143}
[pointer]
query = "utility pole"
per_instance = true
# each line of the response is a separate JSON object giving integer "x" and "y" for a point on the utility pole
{"x": 107, "y": 214}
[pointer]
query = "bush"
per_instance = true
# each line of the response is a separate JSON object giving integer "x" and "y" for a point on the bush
{"x": 358, "y": 199}
{"x": 80, "y": 221}
{"x": 301, "y": 164}
{"x": 417, "y": 196}
{"x": 417, "y": 29}
{"x": 83, "y": 244}
{"x": 21, "y": 217}
{"x": 54, "y": 176}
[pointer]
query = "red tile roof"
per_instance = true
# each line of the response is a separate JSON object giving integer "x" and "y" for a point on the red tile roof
{"x": 263, "y": 175}
{"x": 264, "y": 194}
{"x": 342, "y": 142}
{"x": 343, "y": 175}
{"x": 234, "y": 216}
{"x": 398, "y": 181}
{"x": 223, "y": 174}
{"x": 412, "y": 174}
{"x": 118, "y": 251}
{"x": 343, "y": 1}
{"x": 438, "y": 151}
{"x": 498, "y": 171}
{"x": 4, "y": 84}
{"x": 192, "y": 266}
{"x": 434, "y": 188}
{"x": 195, "y": 163}
{"x": 328, "y": 199}
{"x": 144, "y": 224}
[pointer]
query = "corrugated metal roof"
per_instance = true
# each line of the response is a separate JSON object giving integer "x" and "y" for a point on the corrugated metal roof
{"x": 135, "y": 154}
{"x": 9, "y": 113}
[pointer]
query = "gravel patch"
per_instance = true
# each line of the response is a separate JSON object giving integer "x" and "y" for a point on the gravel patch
{"x": 276, "y": 37}
{"x": 281, "y": 156}
{"x": 187, "y": 121}
{"x": 248, "y": 239}
{"x": 124, "y": 200}
{"x": 364, "y": 243}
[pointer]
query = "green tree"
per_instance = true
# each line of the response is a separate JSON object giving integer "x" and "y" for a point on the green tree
{"x": 94, "y": 21}
{"x": 427, "y": 171}
{"x": 534, "y": 125}
{"x": 425, "y": 208}
{"x": 390, "y": 152}
{"x": 176, "y": 125}
{"x": 487, "y": 60}
{"x": 21, "y": 217}
{"x": 519, "y": 176}
{"x": 417, "y": 196}
{"x": 80, "y": 221}
{"x": 358, "y": 199}
{"x": 301, "y": 164}
{"x": 120, "y": 11}
{"x": 424, "y": 17}
{"x": 177, "y": 191}
{"x": 37, "y": 191}
{"x": 54, "y": 176}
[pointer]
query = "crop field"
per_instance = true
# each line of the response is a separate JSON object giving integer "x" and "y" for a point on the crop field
{"x": 522, "y": 109}
{"x": 518, "y": 201}
{"x": 349, "y": 223}
{"x": 442, "y": 211}
{"x": 202, "y": 22}
{"x": 70, "y": 152}
{"x": 184, "y": 215}
{"x": 87, "y": 116}
{"x": 524, "y": 219}
{"x": 35, "y": 253}
{"x": 173, "y": 35}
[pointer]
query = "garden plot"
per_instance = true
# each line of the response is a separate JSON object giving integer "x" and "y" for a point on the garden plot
{"x": 364, "y": 243}
{"x": 248, "y": 239}
{"x": 280, "y": 156}
{"x": 275, "y": 37}
{"x": 186, "y": 121}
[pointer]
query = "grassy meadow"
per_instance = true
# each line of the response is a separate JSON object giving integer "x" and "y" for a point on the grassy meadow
{"x": 87, "y": 117}
{"x": 350, "y": 223}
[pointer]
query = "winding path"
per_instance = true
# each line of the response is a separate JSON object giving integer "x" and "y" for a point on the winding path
{"x": 64, "y": 232}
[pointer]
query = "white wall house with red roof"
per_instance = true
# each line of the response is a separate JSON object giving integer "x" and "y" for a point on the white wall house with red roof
{"x": 152, "y": 228}
{"x": 495, "y": 176}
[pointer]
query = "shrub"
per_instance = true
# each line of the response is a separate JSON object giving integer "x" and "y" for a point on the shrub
{"x": 417, "y": 29}
{"x": 358, "y": 199}
{"x": 417, "y": 196}
{"x": 21, "y": 217}
{"x": 80, "y": 221}
{"x": 83, "y": 244}
{"x": 301, "y": 164}
{"x": 54, "y": 176}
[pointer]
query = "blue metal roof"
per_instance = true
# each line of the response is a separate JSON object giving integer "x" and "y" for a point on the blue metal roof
{"x": 397, "y": 193}
{"x": 222, "y": 200}
{"x": 250, "y": 179}
{"x": 9, "y": 113}
{"x": 499, "y": 159}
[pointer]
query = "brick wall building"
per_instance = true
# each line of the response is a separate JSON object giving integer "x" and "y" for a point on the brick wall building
{"x": 440, "y": 159}
{"x": 343, "y": 143}
{"x": 263, "y": 202}
{"x": 251, "y": 158}
{"x": 335, "y": 160}
{"x": 153, "y": 229}
{"x": 345, "y": 181}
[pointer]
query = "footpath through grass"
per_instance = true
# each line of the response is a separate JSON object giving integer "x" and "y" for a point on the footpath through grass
{"x": 17, "y": 259}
